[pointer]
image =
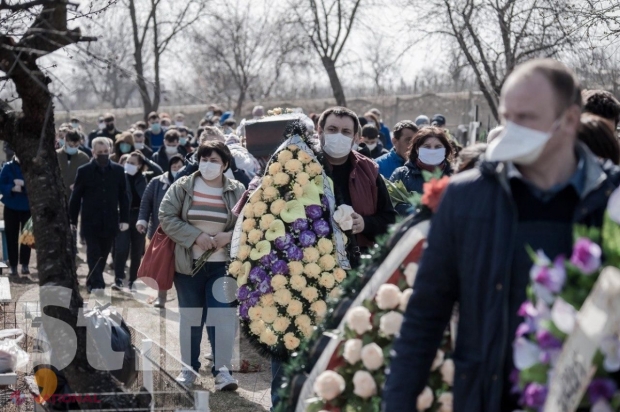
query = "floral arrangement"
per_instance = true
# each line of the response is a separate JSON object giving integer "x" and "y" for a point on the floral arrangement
{"x": 26, "y": 236}
{"x": 287, "y": 263}
{"x": 278, "y": 111}
{"x": 432, "y": 190}
{"x": 557, "y": 291}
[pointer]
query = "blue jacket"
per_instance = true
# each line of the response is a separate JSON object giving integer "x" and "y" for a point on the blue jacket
{"x": 385, "y": 131}
{"x": 468, "y": 259}
{"x": 13, "y": 200}
{"x": 411, "y": 176}
{"x": 151, "y": 200}
{"x": 389, "y": 162}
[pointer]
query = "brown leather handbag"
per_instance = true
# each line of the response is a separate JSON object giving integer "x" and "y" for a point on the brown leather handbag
{"x": 157, "y": 267}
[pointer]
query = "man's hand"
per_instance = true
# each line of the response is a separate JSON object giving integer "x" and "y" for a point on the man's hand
{"x": 16, "y": 189}
{"x": 18, "y": 182}
{"x": 123, "y": 226}
{"x": 71, "y": 187}
{"x": 140, "y": 228}
{"x": 205, "y": 242}
{"x": 222, "y": 239}
{"x": 74, "y": 228}
{"x": 358, "y": 223}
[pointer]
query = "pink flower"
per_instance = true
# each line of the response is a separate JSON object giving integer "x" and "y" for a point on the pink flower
{"x": 552, "y": 278}
{"x": 586, "y": 256}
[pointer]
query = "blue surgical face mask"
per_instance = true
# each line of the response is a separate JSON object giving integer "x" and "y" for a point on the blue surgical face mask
{"x": 174, "y": 174}
{"x": 61, "y": 142}
{"x": 156, "y": 128}
{"x": 183, "y": 141}
{"x": 125, "y": 147}
{"x": 75, "y": 125}
{"x": 71, "y": 150}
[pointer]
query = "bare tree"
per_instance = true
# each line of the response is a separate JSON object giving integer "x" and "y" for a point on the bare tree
{"x": 601, "y": 18}
{"x": 328, "y": 26}
{"x": 381, "y": 58}
{"x": 31, "y": 30}
{"x": 496, "y": 35}
{"x": 598, "y": 69}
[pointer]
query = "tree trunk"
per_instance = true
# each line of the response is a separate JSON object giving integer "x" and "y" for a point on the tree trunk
{"x": 330, "y": 67}
{"x": 239, "y": 106}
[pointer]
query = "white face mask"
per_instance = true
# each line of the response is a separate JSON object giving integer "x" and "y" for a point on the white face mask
{"x": 171, "y": 150}
{"x": 131, "y": 169}
{"x": 139, "y": 146}
{"x": 101, "y": 125}
{"x": 178, "y": 123}
{"x": 371, "y": 146}
{"x": 432, "y": 156}
{"x": 337, "y": 145}
{"x": 210, "y": 170}
{"x": 519, "y": 144}
{"x": 174, "y": 174}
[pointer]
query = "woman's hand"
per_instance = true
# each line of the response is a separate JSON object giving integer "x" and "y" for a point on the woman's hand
{"x": 222, "y": 239}
{"x": 205, "y": 242}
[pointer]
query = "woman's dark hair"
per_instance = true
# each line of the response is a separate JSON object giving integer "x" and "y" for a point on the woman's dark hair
{"x": 423, "y": 135}
{"x": 599, "y": 138}
{"x": 207, "y": 148}
{"x": 468, "y": 157}
{"x": 174, "y": 160}
{"x": 370, "y": 131}
{"x": 141, "y": 159}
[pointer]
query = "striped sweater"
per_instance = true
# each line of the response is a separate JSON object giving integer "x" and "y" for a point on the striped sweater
{"x": 209, "y": 214}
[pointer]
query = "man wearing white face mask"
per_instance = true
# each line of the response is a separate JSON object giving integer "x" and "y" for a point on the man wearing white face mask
{"x": 170, "y": 148}
{"x": 536, "y": 182}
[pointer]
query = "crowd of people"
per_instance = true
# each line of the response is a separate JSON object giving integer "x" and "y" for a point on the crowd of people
{"x": 529, "y": 179}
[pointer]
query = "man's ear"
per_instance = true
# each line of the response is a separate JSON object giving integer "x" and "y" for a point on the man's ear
{"x": 394, "y": 140}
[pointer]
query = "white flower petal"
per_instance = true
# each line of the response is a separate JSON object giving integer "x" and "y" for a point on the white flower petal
{"x": 613, "y": 206}
{"x": 526, "y": 353}
{"x": 563, "y": 316}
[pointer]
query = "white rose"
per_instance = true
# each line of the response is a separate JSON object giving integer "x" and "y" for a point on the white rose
{"x": 329, "y": 385}
{"x": 425, "y": 399}
{"x": 404, "y": 299}
{"x": 364, "y": 385}
{"x": 388, "y": 296}
{"x": 438, "y": 360}
{"x": 358, "y": 320}
{"x": 410, "y": 273}
{"x": 447, "y": 372}
{"x": 390, "y": 323}
{"x": 343, "y": 217}
{"x": 372, "y": 356}
{"x": 445, "y": 399}
{"x": 353, "y": 351}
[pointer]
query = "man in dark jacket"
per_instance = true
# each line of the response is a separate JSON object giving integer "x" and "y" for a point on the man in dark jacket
{"x": 170, "y": 148}
{"x": 140, "y": 145}
{"x": 154, "y": 136}
{"x": 370, "y": 137}
{"x": 100, "y": 191}
{"x": 536, "y": 183}
{"x": 110, "y": 131}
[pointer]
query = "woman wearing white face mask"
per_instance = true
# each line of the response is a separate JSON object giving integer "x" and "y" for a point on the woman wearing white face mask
{"x": 196, "y": 214}
{"x": 430, "y": 150}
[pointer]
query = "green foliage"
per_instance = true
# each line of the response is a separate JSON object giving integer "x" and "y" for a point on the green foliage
{"x": 537, "y": 373}
{"x": 611, "y": 241}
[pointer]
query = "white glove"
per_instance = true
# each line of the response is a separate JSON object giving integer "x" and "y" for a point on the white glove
{"x": 123, "y": 226}
{"x": 16, "y": 189}
{"x": 18, "y": 182}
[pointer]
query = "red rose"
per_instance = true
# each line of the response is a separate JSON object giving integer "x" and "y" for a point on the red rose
{"x": 433, "y": 190}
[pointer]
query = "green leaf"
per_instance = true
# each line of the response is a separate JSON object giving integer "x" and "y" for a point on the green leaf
{"x": 537, "y": 373}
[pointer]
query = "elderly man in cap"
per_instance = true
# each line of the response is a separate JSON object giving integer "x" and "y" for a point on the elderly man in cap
{"x": 422, "y": 120}
{"x": 536, "y": 183}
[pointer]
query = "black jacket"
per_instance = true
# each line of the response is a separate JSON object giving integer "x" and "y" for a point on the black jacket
{"x": 161, "y": 158}
{"x": 411, "y": 176}
{"x": 102, "y": 196}
{"x": 146, "y": 151}
{"x": 86, "y": 150}
{"x": 468, "y": 259}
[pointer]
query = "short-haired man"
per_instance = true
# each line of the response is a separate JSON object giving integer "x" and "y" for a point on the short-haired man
{"x": 383, "y": 129}
{"x": 372, "y": 141}
{"x": 93, "y": 134}
{"x": 403, "y": 134}
{"x": 140, "y": 145}
{"x": 100, "y": 192}
{"x": 170, "y": 148}
{"x": 70, "y": 159}
{"x": 604, "y": 105}
{"x": 154, "y": 136}
{"x": 110, "y": 131}
{"x": 529, "y": 191}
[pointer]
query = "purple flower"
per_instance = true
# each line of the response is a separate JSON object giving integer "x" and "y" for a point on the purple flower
{"x": 325, "y": 202}
{"x": 534, "y": 395}
{"x": 314, "y": 212}
{"x": 307, "y": 238}
{"x": 244, "y": 309}
{"x": 265, "y": 287}
{"x": 267, "y": 260}
{"x": 257, "y": 274}
{"x": 527, "y": 309}
{"x": 551, "y": 278}
{"x": 586, "y": 256}
{"x": 254, "y": 298}
{"x": 514, "y": 379}
{"x": 279, "y": 268}
{"x": 294, "y": 253}
{"x": 524, "y": 329}
{"x": 547, "y": 341}
{"x": 284, "y": 242}
{"x": 243, "y": 292}
{"x": 299, "y": 225}
{"x": 601, "y": 388}
{"x": 321, "y": 228}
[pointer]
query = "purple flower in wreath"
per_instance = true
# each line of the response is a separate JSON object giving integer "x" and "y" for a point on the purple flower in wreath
{"x": 243, "y": 293}
{"x": 284, "y": 242}
{"x": 257, "y": 274}
{"x": 268, "y": 259}
{"x": 527, "y": 309}
{"x": 244, "y": 310}
{"x": 307, "y": 238}
{"x": 300, "y": 225}
{"x": 314, "y": 212}
{"x": 325, "y": 202}
{"x": 523, "y": 329}
{"x": 279, "y": 268}
{"x": 321, "y": 228}
{"x": 294, "y": 253}
{"x": 534, "y": 395}
{"x": 586, "y": 256}
{"x": 547, "y": 341}
{"x": 254, "y": 298}
{"x": 601, "y": 388}
{"x": 265, "y": 287}
{"x": 552, "y": 278}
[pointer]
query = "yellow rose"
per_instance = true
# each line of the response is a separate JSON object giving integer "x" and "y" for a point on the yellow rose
{"x": 277, "y": 207}
{"x": 257, "y": 327}
{"x": 291, "y": 342}
{"x": 275, "y": 168}
{"x": 302, "y": 178}
{"x": 248, "y": 211}
{"x": 267, "y": 300}
{"x": 266, "y": 182}
{"x": 327, "y": 262}
{"x": 304, "y": 157}
{"x": 319, "y": 307}
{"x": 311, "y": 255}
{"x": 294, "y": 308}
{"x": 303, "y": 321}
{"x": 243, "y": 239}
{"x": 293, "y": 147}
{"x": 295, "y": 268}
{"x": 270, "y": 314}
{"x": 310, "y": 294}
{"x": 278, "y": 282}
{"x": 270, "y": 193}
{"x": 248, "y": 224}
{"x": 266, "y": 221}
{"x": 235, "y": 267}
{"x": 256, "y": 196}
{"x": 298, "y": 191}
{"x": 255, "y": 236}
{"x": 325, "y": 246}
{"x": 312, "y": 270}
{"x": 256, "y": 313}
{"x": 260, "y": 208}
{"x": 284, "y": 156}
{"x": 294, "y": 166}
{"x": 244, "y": 252}
{"x": 282, "y": 297}
{"x": 340, "y": 275}
{"x": 281, "y": 179}
{"x": 327, "y": 280}
{"x": 314, "y": 169}
{"x": 281, "y": 324}
{"x": 335, "y": 293}
{"x": 298, "y": 282}
{"x": 268, "y": 337}
{"x": 307, "y": 330}
{"x": 244, "y": 273}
